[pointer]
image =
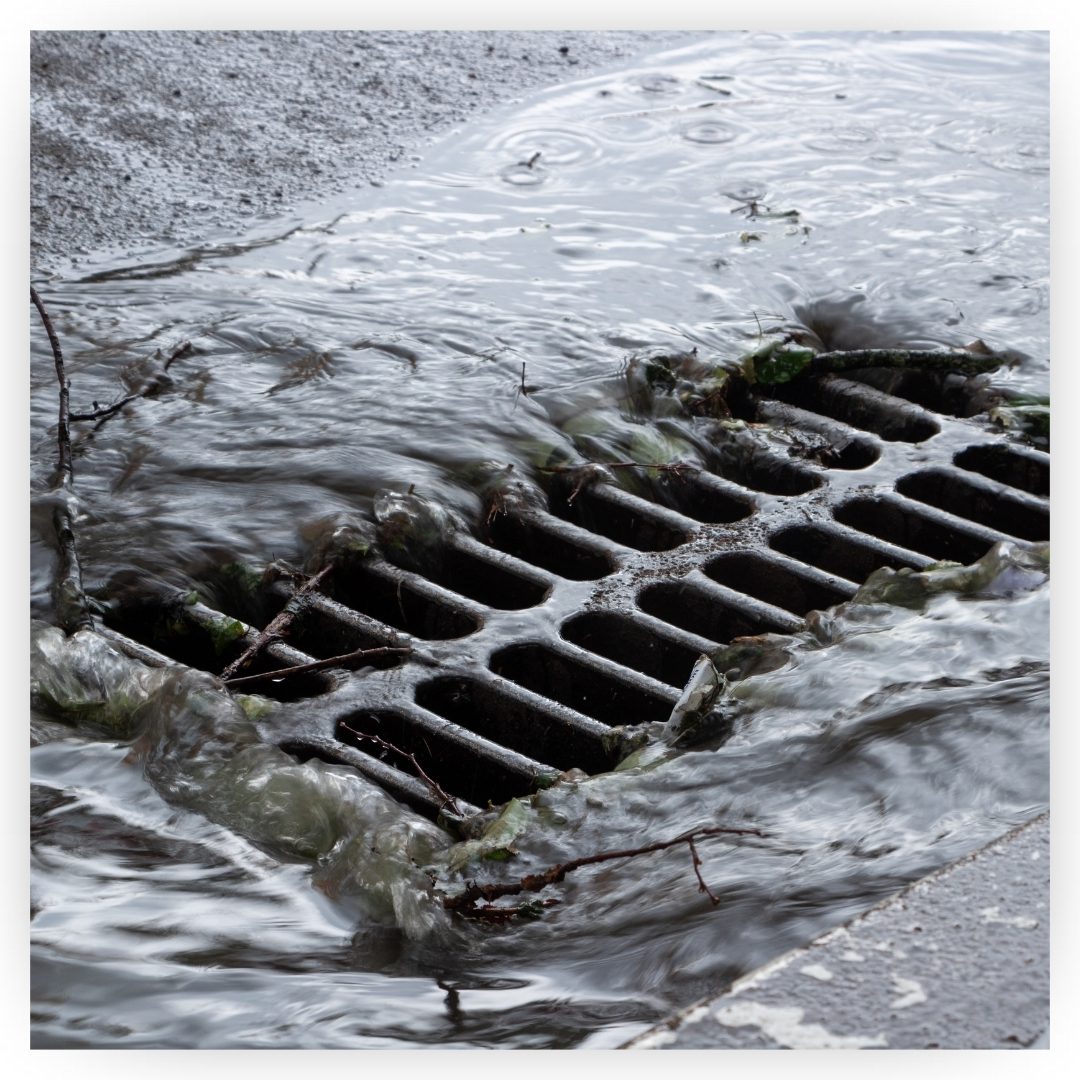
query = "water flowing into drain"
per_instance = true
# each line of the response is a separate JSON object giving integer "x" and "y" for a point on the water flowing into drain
{"x": 463, "y": 334}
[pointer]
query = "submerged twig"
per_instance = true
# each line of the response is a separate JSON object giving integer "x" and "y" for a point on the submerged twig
{"x": 702, "y": 887}
{"x": 72, "y": 608}
{"x": 465, "y": 901}
{"x": 277, "y": 626}
{"x": 344, "y": 660}
{"x": 150, "y": 387}
{"x": 446, "y": 801}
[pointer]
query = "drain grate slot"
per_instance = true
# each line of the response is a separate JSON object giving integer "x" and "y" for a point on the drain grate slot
{"x": 527, "y": 539}
{"x": 397, "y": 599}
{"x": 706, "y": 498}
{"x": 464, "y": 568}
{"x": 580, "y": 686}
{"x": 702, "y": 612}
{"x": 325, "y": 629}
{"x": 776, "y": 584}
{"x": 837, "y": 553}
{"x": 1013, "y": 515}
{"x": 1027, "y": 471}
{"x": 621, "y": 517}
{"x": 831, "y": 444}
{"x": 544, "y": 734}
{"x": 768, "y": 473}
{"x": 406, "y": 787}
{"x": 634, "y": 644}
{"x": 949, "y": 392}
{"x": 460, "y": 764}
{"x": 860, "y": 406}
{"x": 903, "y": 525}
{"x": 199, "y": 637}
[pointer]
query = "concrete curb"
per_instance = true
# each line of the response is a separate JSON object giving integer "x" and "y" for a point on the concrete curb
{"x": 959, "y": 959}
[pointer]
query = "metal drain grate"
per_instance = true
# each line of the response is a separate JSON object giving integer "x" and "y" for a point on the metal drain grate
{"x": 544, "y": 644}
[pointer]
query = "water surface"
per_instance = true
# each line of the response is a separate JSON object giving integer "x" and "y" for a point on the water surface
{"x": 878, "y": 188}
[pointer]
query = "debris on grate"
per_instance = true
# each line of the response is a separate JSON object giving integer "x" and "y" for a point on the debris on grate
{"x": 459, "y": 669}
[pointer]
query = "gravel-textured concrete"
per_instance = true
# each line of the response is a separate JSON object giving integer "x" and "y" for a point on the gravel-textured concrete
{"x": 139, "y": 138}
{"x": 959, "y": 960}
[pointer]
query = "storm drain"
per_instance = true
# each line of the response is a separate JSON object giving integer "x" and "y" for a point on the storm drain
{"x": 546, "y": 642}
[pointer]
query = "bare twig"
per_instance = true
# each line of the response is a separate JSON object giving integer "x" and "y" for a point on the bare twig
{"x": 344, "y": 660}
{"x": 465, "y": 901}
{"x": 72, "y": 609}
{"x": 150, "y": 387}
{"x": 446, "y": 801}
{"x": 277, "y": 626}
{"x": 702, "y": 887}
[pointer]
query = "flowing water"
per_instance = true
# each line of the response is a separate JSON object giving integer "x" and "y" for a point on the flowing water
{"x": 877, "y": 188}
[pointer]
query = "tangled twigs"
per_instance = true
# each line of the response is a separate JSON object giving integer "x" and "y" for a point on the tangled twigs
{"x": 446, "y": 801}
{"x": 148, "y": 389}
{"x": 344, "y": 660}
{"x": 72, "y": 609}
{"x": 465, "y": 901}
{"x": 277, "y": 626}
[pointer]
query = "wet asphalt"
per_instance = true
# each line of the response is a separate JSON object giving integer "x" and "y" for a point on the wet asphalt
{"x": 142, "y": 139}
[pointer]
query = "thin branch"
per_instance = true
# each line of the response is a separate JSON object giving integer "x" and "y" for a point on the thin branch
{"x": 465, "y": 901}
{"x": 72, "y": 609}
{"x": 277, "y": 626}
{"x": 150, "y": 387}
{"x": 702, "y": 887}
{"x": 447, "y": 801}
{"x": 344, "y": 660}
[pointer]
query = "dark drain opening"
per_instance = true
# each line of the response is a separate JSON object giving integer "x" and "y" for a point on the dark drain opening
{"x": 1025, "y": 472}
{"x": 319, "y": 633}
{"x": 816, "y": 438}
{"x": 542, "y": 736}
{"x": 700, "y": 498}
{"x": 848, "y": 454}
{"x": 604, "y": 515}
{"x": 589, "y": 692}
{"x": 456, "y": 767}
{"x": 397, "y": 603}
{"x": 949, "y": 393}
{"x": 483, "y": 581}
{"x": 861, "y": 407}
{"x": 544, "y": 548}
{"x": 208, "y": 641}
{"x": 768, "y": 473}
{"x": 634, "y": 646}
{"x": 693, "y": 609}
{"x": 911, "y": 530}
{"x": 758, "y": 576}
{"x": 996, "y": 510}
{"x": 836, "y": 554}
